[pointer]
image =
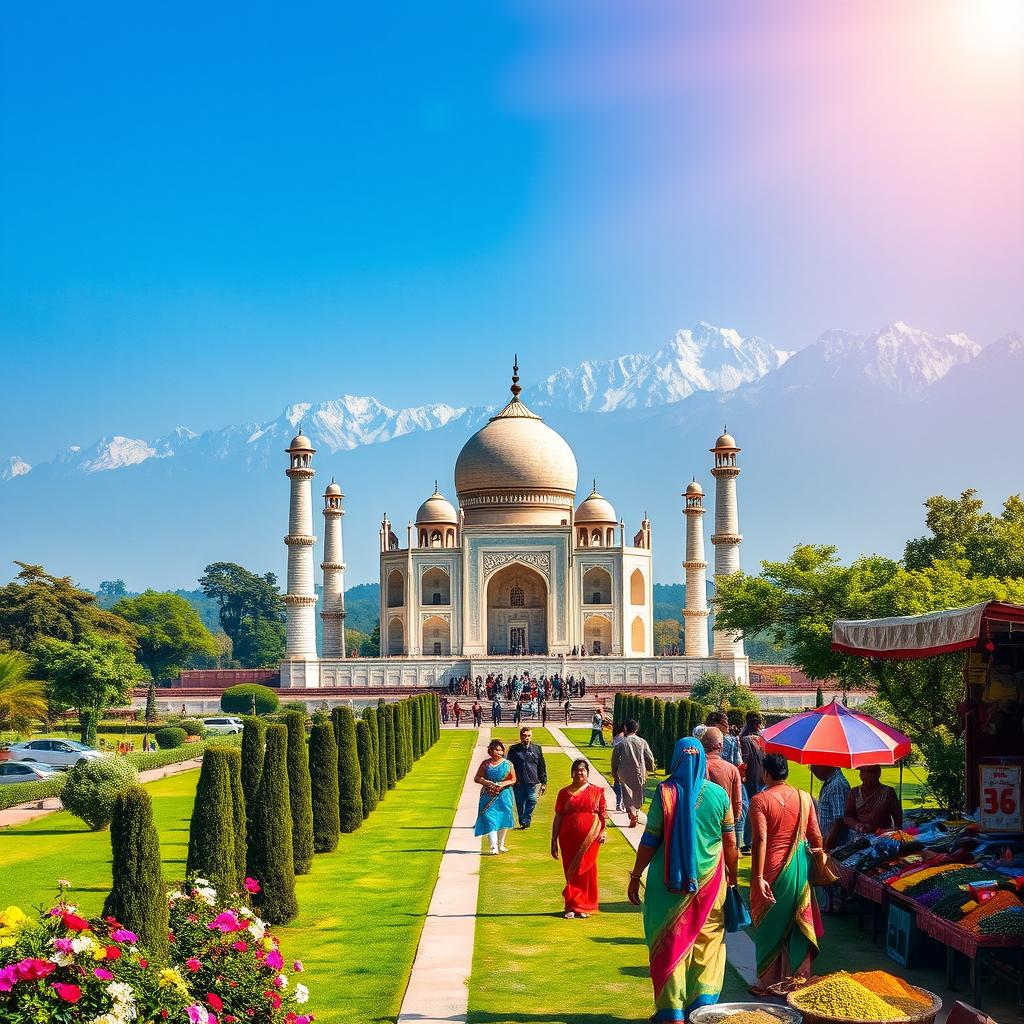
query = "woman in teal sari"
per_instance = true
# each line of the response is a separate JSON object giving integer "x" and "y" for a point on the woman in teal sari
{"x": 495, "y": 777}
{"x": 690, "y": 844}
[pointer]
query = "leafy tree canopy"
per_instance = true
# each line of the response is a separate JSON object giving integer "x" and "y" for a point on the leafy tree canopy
{"x": 170, "y": 632}
{"x": 260, "y": 643}
{"x": 35, "y": 605}
{"x": 241, "y": 594}
{"x": 723, "y": 693}
{"x": 22, "y": 698}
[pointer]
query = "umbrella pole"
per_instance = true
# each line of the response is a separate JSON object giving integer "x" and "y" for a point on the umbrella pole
{"x": 901, "y": 783}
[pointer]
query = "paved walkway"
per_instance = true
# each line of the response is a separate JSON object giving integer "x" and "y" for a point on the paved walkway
{"x": 21, "y": 813}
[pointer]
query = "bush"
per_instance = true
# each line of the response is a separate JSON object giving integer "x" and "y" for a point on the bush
{"x": 944, "y": 757}
{"x": 24, "y": 792}
{"x": 722, "y": 692}
{"x": 323, "y": 772}
{"x": 211, "y": 837}
{"x": 295, "y": 705}
{"x": 238, "y": 816}
{"x": 299, "y": 795}
{"x": 391, "y": 742}
{"x": 658, "y": 733}
{"x": 417, "y": 729}
{"x": 170, "y": 737}
{"x": 192, "y": 726}
{"x": 350, "y": 799}
{"x": 669, "y": 735}
{"x": 376, "y": 714}
{"x": 254, "y": 738}
{"x": 370, "y": 718}
{"x": 91, "y": 789}
{"x": 273, "y": 862}
{"x": 238, "y": 700}
{"x": 367, "y": 791}
{"x": 138, "y": 899}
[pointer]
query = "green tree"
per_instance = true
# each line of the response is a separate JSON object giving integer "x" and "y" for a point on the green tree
{"x": 380, "y": 716}
{"x": 260, "y": 643}
{"x": 300, "y": 792}
{"x": 170, "y": 632}
{"x": 89, "y": 675}
{"x": 92, "y": 787}
{"x": 112, "y": 590}
{"x": 150, "y": 715}
{"x": 722, "y": 693}
{"x": 249, "y": 698}
{"x": 138, "y": 897}
{"x": 350, "y": 798}
{"x": 211, "y": 835}
{"x": 242, "y": 595}
{"x": 239, "y": 817}
{"x": 22, "y": 698}
{"x": 323, "y": 770}
{"x": 36, "y": 605}
{"x": 391, "y": 720}
{"x": 273, "y": 862}
{"x": 372, "y": 647}
{"x": 667, "y": 635}
{"x": 819, "y": 696}
{"x": 367, "y": 792}
{"x": 254, "y": 737}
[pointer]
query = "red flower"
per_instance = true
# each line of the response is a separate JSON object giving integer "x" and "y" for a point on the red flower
{"x": 164, "y": 1014}
{"x": 113, "y": 953}
{"x": 215, "y": 1000}
{"x": 193, "y": 964}
{"x": 74, "y": 923}
{"x": 143, "y": 962}
{"x": 240, "y": 946}
{"x": 69, "y": 993}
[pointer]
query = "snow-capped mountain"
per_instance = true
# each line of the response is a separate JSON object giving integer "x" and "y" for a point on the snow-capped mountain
{"x": 898, "y": 359}
{"x": 13, "y": 467}
{"x": 704, "y": 358}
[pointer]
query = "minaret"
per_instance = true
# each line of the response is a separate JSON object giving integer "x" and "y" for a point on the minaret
{"x": 333, "y": 566}
{"x": 695, "y": 614}
{"x": 300, "y": 601}
{"x": 727, "y": 537}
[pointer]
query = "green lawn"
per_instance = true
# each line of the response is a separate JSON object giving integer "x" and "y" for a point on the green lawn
{"x": 362, "y": 907}
{"x": 509, "y": 734}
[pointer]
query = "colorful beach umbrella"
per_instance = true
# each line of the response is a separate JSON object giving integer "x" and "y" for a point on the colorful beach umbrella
{"x": 837, "y": 736}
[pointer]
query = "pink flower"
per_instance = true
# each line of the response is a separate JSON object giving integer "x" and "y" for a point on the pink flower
{"x": 226, "y": 922}
{"x": 193, "y": 964}
{"x": 8, "y": 978}
{"x": 103, "y": 974}
{"x": 297, "y": 967}
{"x": 274, "y": 959}
{"x": 240, "y": 946}
{"x": 64, "y": 945}
{"x": 123, "y": 935}
{"x": 251, "y": 885}
{"x": 32, "y": 969}
{"x": 197, "y": 1014}
{"x": 69, "y": 993}
{"x": 279, "y": 981}
{"x": 73, "y": 923}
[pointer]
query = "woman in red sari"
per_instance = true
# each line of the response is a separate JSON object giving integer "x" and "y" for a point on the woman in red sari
{"x": 579, "y": 830}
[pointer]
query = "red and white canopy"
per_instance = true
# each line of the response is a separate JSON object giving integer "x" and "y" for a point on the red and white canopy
{"x": 920, "y": 636}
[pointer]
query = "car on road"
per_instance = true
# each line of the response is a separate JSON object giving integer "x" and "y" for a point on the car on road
{"x": 225, "y": 725}
{"x": 24, "y": 771}
{"x": 58, "y": 753}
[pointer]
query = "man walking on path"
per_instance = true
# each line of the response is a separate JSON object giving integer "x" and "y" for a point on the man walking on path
{"x": 720, "y": 771}
{"x": 632, "y": 760}
{"x": 527, "y": 759}
{"x": 478, "y": 714}
{"x": 597, "y": 729}
{"x": 568, "y": 712}
{"x": 496, "y": 712}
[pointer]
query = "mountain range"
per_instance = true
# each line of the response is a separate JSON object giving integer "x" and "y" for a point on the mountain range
{"x": 846, "y": 424}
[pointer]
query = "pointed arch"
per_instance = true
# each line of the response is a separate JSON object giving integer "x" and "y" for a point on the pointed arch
{"x": 638, "y": 639}
{"x": 637, "y": 588}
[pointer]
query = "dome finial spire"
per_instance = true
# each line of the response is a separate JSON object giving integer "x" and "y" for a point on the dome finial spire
{"x": 436, "y": 491}
{"x": 515, "y": 389}
{"x": 593, "y": 490}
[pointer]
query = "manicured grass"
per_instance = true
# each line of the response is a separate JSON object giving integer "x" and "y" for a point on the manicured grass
{"x": 509, "y": 734}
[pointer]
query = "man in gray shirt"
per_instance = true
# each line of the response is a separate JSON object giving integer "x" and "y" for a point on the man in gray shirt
{"x": 632, "y": 761}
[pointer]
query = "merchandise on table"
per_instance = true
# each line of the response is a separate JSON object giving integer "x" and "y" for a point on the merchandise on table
{"x": 1000, "y": 900}
{"x": 1004, "y": 922}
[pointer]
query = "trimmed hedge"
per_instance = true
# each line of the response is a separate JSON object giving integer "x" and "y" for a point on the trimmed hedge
{"x": 390, "y": 743}
{"x": 299, "y": 792}
{"x": 238, "y": 816}
{"x": 170, "y": 737}
{"x": 93, "y": 787}
{"x": 350, "y": 799}
{"x": 380, "y": 723}
{"x": 138, "y": 899}
{"x": 370, "y": 717}
{"x": 323, "y": 771}
{"x": 254, "y": 738}
{"x": 367, "y": 791}
{"x": 237, "y": 700}
{"x": 23, "y": 792}
{"x": 211, "y": 838}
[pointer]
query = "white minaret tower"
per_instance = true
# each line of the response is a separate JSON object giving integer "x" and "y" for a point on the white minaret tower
{"x": 695, "y": 614}
{"x": 333, "y": 566}
{"x": 727, "y": 537}
{"x": 300, "y": 667}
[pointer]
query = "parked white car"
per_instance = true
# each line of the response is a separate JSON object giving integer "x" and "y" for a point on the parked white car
{"x": 224, "y": 725}
{"x": 21, "y": 771}
{"x": 58, "y": 753}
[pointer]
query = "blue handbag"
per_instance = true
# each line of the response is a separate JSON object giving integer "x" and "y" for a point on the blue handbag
{"x": 737, "y": 917}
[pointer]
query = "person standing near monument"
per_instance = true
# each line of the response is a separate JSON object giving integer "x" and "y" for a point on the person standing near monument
{"x": 632, "y": 761}
{"x": 527, "y": 759}
{"x": 478, "y": 714}
{"x": 496, "y": 710}
{"x": 597, "y": 729}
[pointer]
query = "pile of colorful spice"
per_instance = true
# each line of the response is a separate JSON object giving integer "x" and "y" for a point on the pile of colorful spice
{"x": 750, "y": 1017}
{"x": 868, "y": 996}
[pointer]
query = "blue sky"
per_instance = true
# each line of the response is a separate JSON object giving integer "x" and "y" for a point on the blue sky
{"x": 209, "y": 211}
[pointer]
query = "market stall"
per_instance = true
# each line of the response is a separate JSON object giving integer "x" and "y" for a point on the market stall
{"x": 957, "y": 882}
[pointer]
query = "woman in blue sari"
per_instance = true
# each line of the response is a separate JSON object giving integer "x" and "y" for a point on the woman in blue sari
{"x": 495, "y": 777}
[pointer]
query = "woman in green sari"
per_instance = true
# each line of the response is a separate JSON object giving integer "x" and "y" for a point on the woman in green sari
{"x": 690, "y": 845}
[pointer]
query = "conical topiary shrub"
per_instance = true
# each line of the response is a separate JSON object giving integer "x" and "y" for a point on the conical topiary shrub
{"x": 350, "y": 796}
{"x": 273, "y": 862}
{"x": 323, "y": 772}
{"x": 138, "y": 899}
{"x": 299, "y": 794}
{"x": 211, "y": 834}
{"x": 370, "y": 718}
{"x": 382, "y": 752}
{"x": 366, "y": 789}
{"x": 668, "y": 739}
{"x": 391, "y": 720}
{"x": 417, "y": 739}
{"x": 234, "y": 757}
{"x": 658, "y": 732}
{"x": 254, "y": 737}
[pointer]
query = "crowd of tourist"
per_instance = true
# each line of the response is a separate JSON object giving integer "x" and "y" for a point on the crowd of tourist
{"x": 723, "y": 798}
{"x": 518, "y": 687}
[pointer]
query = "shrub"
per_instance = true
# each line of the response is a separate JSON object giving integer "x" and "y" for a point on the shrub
{"x": 350, "y": 799}
{"x": 944, "y": 756}
{"x": 192, "y": 726}
{"x": 669, "y": 735}
{"x": 211, "y": 837}
{"x": 273, "y": 862}
{"x": 238, "y": 816}
{"x": 299, "y": 795}
{"x": 367, "y": 792}
{"x": 254, "y": 738}
{"x": 24, "y": 792}
{"x": 92, "y": 788}
{"x": 138, "y": 898}
{"x": 295, "y": 705}
{"x": 721, "y": 691}
{"x": 170, "y": 737}
{"x": 658, "y": 733}
{"x": 417, "y": 729}
{"x": 370, "y": 717}
{"x": 378, "y": 716}
{"x": 323, "y": 772}
{"x": 238, "y": 700}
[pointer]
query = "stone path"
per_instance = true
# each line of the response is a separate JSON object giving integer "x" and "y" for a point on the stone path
{"x": 21, "y": 813}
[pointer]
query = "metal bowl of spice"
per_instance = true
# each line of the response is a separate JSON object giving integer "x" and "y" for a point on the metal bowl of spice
{"x": 745, "y": 1013}
{"x": 875, "y": 996}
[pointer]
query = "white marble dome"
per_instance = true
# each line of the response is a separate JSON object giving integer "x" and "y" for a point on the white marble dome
{"x": 437, "y": 509}
{"x": 596, "y": 509}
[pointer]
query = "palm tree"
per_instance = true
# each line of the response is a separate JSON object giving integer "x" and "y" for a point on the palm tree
{"x": 22, "y": 699}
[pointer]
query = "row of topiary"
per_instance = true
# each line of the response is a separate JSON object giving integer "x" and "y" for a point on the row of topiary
{"x": 265, "y": 813}
{"x": 662, "y": 722}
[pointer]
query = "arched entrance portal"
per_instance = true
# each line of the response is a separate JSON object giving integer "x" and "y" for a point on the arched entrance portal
{"x": 517, "y": 611}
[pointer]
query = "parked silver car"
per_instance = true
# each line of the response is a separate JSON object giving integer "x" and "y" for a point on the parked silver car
{"x": 23, "y": 771}
{"x": 58, "y": 753}
{"x": 225, "y": 725}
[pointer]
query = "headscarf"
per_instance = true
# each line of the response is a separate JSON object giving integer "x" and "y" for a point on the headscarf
{"x": 687, "y": 777}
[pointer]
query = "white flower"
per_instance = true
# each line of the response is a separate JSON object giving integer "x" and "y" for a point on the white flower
{"x": 281, "y": 982}
{"x": 258, "y": 928}
{"x": 244, "y": 912}
{"x": 61, "y": 959}
{"x": 121, "y": 992}
{"x": 200, "y": 881}
{"x": 208, "y": 895}
{"x": 301, "y": 992}
{"x": 177, "y": 894}
{"x": 83, "y": 943}
{"x": 71, "y": 908}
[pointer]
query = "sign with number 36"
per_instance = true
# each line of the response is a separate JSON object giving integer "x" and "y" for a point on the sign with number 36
{"x": 1000, "y": 798}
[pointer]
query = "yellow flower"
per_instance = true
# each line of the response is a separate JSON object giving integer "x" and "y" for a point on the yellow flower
{"x": 12, "y": 920}
{"x": 170, "y": 978}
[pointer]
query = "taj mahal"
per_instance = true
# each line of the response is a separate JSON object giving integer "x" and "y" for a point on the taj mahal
{"x": 518, "y": 577}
